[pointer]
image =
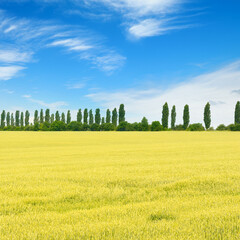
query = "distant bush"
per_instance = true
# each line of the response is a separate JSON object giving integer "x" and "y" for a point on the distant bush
{"x": 234, "y": 127}
{"x": 179, "y": 128}
{"x": 196, "y": 127}
{"x": 222, "y": 127}
{"x": 58, "y": 126}
{"x": 74, "y": 126}
{"x": 156, "y": 126}
{"x": 124, "y": 126}
{"x": 107, "y": 127}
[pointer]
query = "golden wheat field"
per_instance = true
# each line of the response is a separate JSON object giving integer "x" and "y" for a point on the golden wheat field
{"x": 118, "y": 185}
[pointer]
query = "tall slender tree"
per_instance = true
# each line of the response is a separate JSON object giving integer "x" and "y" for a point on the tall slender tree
{"x": 186, "y": 117}
{"x": 173, "y": 117}
{"x": 8, "y": 119}
{"x": 63, "y": 117}
{"x": 79, "y": 116}
{"x": 57, "y": 116}
{"x": 47, "y": 116}
{"x": 165, "y": 115}
{"x": 12, "y": 120}
{"x": 22, "y": 120}
{"x": 207, "y": 116}
{"x": 68, "y": 117}
{"x": 17, "y": 118}
{"x": 108, "y": 116}
{"x": 103, "y": 120}
{"x": 85, "y": 116}
{"x": 237, "y": 113}
{"x": 41, "y": 116}
{"x": 114, "y": 117}
{"x": 121, "y": 113}
{"x": 97, "y": 116}
{"x": 27, "y": 116}
{"x": 52, "y": 118}
{"x": 3, "y": 116}
{"x": 36, "y": 118}
{"x": 90, "y": 117}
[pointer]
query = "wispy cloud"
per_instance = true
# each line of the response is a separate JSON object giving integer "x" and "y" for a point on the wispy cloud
{"x": 215, "y": 87}
{"x": 9, "y": 72}
{"x": 76, "y": 86}
{"x": 25, "y": 37}
{"x": 53, "y": 105}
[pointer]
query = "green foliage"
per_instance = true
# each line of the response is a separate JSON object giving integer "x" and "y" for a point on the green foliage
{"x": 186, "y": 117}
{"x": 165, "y": 116}
{"x": 207, "y": 116}
{"x": 156, "y": 126}
{"x": 74, "y": 126}
{"x": 121, "y": 113}
{"x": 91, "y": 117}
{"x": 107, "y": 127}
{"x": 222, "y": 127}
{"x": 57, "y": 116}
{"x": 47, "y": 116}
{"x": 237, "y": 113}
{"x": 52, "y": 118}
{"x": 234, "y": 127}
{"x": 22, "y": 120}
{"x": 27, "y": 116}
{"x": 8, "y": 119}
{"x": 58, "y": 126}
{"x": 196, "y": 127}
{"x": 103, "y": 120}
{"x": 173, "y": 117}
{"x": 79, "y": 116}
{"x": 179, "y": 127}
{"x": 68, "y": 117}
{"x": 144, "y": 125}
{"x": 85, "y": 116}
{"x": 95, "y": 127}
{"x": 36, "y": 119}
{"x": 3, "y": 116}
{"x": 45, "y": 126}
{"x": 124, "y": 126}
{"x": 17, "y": 118}
{"x": 108, "y": 116}
{"x": 63, "y": 119}
{"x": 97, "y": 116}
{"x": 114, "y": 117}
{"x": 12, "y": 120}
{"x": 41, "y": 116}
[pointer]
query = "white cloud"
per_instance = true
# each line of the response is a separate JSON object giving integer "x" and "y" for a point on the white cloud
{"x": 8, "y": 72}
{"x": 76, "y": 86}
{"x": 14, "y": 55}
{"x": 218, "y": 87}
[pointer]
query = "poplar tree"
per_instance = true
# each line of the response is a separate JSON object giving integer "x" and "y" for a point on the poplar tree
{"x": 52, "y": 118}
{"x": 8, "y": 119}
{"x": 85, "y": 116}
{"x": 22, "y": 119}
{"x": 114, "y": 117}
{"x": 12, "y": 120}
{"x": 47, "y": 116}
{"x": 41, "y": 116}
{"x": 27, "y": 116}
{"x": 103, "y": 120}
{"x": 108, "y": 116}
{"x": 36, "y": 118}
{"x": 63, "y": 117}
{"x": 207, "y": 116}
{"x": 97, "y": 116}
{"x": 68, "y": 117}
{"x": 57, "y": 116}
{"x": 90, "y": 117}
{"x": 3, "y": 116}
{"x": 186, "y": 117}
{"x": 121, "y": 113}
{"x": 237, "y": 113}
{"x": 17, "y": 120}
{"x": 173, "y": 117}
{"x": 79, "y": 116}
{"x": 165, "y": 115}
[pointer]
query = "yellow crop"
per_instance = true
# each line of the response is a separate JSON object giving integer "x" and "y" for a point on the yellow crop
{"x": 119, "y": 185}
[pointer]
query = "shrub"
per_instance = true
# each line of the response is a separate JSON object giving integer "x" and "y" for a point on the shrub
{"x": 74, "y": 126}
{"x": 222, "y": 127}
{"x": 107, "y": 127}
{"x": 95, "y": 127}
{"x": 196, "y": 127}
{"x": 179, "y": 128}
{"x": 156, "y": 126}
{"x": 124, "y": 126}
{"x": 234, "y": 127}
{"x": 58, "y": 126}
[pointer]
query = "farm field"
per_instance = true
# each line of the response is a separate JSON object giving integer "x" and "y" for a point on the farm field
{"x": 119, "y": 185}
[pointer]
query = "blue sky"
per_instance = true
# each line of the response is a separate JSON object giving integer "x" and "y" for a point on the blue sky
{"x": 70, "y": 54}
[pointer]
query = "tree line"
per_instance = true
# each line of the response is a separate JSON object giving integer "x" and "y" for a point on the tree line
{"x": 87, "y": 120}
